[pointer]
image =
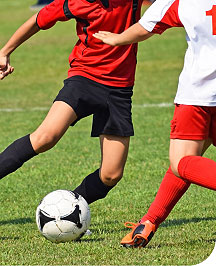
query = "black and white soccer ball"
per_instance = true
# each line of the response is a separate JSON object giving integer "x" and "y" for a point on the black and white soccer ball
{"x": 63, "y": 216}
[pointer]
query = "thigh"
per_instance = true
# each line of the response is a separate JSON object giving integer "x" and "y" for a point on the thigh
{"x": 59, "y": 117}
{"x": 180, "y": 148}
{"x": 57, "y": 121}
{"x": 114, "y": 151}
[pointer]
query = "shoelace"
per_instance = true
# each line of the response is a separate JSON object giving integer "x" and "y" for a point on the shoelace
{"x": 130, "y": 224}
{"x": 136, "y": 242}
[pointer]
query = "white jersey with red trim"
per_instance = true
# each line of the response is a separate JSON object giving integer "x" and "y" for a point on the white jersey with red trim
{"x": 197, "y": 81}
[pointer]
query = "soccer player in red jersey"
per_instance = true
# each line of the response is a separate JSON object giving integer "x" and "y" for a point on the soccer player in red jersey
{"x": 97, "y": 84}
{"x": 193, "y": 125}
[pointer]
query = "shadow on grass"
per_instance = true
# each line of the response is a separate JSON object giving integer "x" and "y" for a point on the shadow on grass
{"x": 189, "y": 242}
{"x": 18, "y": 221}
{"x": 83, "y": 240}
{"x": 186, "y": 221}
{"x": 9, "y": 238}
{"x": 167, "y": 223}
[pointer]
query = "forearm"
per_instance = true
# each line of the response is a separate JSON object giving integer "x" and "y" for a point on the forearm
{"x": 136, "y": 33}
{"x": 28, "y": 29}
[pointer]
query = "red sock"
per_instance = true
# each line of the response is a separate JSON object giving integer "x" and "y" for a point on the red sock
{"x": 198, "y": 170}
{"x": 170, "y": 191}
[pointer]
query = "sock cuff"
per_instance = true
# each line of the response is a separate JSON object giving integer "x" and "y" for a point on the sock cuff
{"x": 169, "y": 171}
{"x": 183, "y": 164}
{"x": 92, "y": 188}
{"x": 24, "y": 144}
{"x": 100, "y": 183}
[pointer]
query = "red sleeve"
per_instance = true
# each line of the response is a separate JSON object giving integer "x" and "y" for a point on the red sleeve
{"x": 170, "y": 19}
{"x": 56, "y": 11}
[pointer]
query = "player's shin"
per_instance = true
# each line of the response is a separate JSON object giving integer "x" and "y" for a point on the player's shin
{"x": 15, "y": 155}
{"x": 170, "y": 191}
{"x": 92, "y": 188}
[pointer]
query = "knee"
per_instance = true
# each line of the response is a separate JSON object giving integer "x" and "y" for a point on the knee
{"x": 43, "y": 141}
{"x": 110, "y": 178}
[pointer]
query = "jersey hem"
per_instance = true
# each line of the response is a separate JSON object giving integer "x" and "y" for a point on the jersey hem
{"x": 189, "y": 102}
{"x": 112, "y": 132}
{"x": 189, "y": 136}
{"x": 104, "y": 82}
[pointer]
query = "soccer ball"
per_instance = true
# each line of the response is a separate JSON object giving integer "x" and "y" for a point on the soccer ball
{"x": 63, "y": 216}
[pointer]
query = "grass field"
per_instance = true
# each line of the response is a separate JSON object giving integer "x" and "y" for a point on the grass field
{"x": 186, "y": 238}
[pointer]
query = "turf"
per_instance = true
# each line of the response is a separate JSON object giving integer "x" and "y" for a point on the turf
{"x": 186, "y": 238}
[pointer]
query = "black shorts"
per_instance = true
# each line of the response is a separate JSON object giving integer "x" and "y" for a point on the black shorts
{"x": 110, "y": 106}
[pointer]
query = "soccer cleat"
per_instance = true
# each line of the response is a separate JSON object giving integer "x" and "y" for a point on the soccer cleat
{"x": 140, "y": 235}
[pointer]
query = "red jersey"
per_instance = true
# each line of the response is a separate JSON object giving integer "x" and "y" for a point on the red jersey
{"x": 113, "y": 66}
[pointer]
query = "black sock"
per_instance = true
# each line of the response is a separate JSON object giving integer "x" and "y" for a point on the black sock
{"x": 92, "y": 188}
{"x": 15, "y": 155}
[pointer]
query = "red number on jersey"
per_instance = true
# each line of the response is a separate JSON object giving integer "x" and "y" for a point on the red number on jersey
{"x": 212, "y": 13}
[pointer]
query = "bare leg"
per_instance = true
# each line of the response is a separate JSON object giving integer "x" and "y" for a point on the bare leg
{"x": 114, "y": 151}
{"x": 180, "y": 148}
{"x": 45, "y": 137}
{"x": 57, "y": 121}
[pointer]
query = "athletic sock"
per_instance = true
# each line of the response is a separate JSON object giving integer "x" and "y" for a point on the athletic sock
{"x": 15, "y": 155}
{"x": 198, "y": 170}
{"x": 92, "y": 188}
{"x": 170, "y": 191}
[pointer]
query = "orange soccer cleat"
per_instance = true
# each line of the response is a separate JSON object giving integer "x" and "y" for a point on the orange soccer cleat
{"x": 140, "y": 235}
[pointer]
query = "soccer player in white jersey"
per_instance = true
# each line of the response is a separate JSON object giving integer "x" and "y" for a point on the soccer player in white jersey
{"x": 194, "y": 121}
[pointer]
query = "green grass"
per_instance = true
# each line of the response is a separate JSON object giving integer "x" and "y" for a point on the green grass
{"x": 186, "y": 238}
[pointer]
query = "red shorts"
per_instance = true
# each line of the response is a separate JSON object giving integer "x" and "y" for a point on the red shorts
{"x": 194, "y": 123}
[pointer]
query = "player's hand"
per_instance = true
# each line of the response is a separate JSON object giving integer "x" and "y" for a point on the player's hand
{"x": 5, "y": 67}
{"x": 107, "y": 37}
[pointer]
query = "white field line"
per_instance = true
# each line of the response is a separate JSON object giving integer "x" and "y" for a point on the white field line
{"x": 36, "y": 109}
{"x": 16, "y": 110}
{"x": 149, "y": 105}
